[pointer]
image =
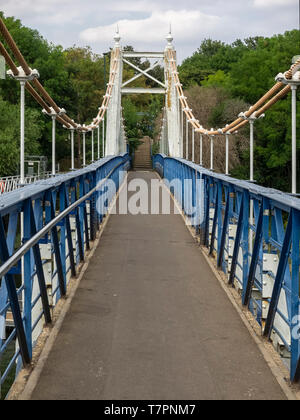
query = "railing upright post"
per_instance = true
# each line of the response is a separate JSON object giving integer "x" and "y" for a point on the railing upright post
{"x": 193, "y": 144}
{"x": 103, "y": 137}
{"x": 211, "y": 153}
{"x": 252, "y": 119}
{"x": 53, "y": 116}
{"x": 23, "y": 78}
{"x": 293, "y": 82}
{"x": 84, "y": 149}
{"x": 93, "y": 146}
{"x": 22, "y": 145}
{"x": 294, "y": 88}
{"x": 251, "y": 122}
{"x": 72, "y": 151}
{"x": 53, "y": 145}
{"x": 211, "y": 150}
{"x": 227, "y": 154}
{"x": 98, "y": 142}
{"x": 182, "y": 130}
{"x": 187, "y": 140}
{"x": 201, "y": 149}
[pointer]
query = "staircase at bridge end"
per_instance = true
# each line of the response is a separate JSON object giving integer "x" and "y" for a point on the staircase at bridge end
{"x": 142, "y": 157}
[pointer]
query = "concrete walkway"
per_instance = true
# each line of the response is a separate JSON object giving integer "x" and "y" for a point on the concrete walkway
{"x": 150, "y": 321}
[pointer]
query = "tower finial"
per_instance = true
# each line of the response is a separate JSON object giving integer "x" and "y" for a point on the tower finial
{"x": 170, "y": 36}
{"x": 117, "y": 37}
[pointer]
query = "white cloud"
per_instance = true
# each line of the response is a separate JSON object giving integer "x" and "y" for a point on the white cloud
{"x": 18, "y": 7}
{"x": 144, "y": 23}
{"x": 135, "y": 6}
{"x": 187, "y": 25}
{"x": 54, "y": 12}
{"x": 273, "y": 3}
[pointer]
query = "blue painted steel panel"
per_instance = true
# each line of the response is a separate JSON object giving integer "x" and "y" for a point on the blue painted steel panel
{"x": 39, "y": 204}
{"x": 272, "y": 236}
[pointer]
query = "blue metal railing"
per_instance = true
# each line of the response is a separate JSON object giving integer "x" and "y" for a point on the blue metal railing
{"x": 254, "y": 232}
{"x": 45, "y": 231}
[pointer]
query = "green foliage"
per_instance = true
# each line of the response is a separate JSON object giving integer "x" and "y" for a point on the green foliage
{"x": 219, "y": 79}
{"x": 85, "y": 72}
{"x": 140, "y": 120}
{"x": 211, "y": 57}
{"x": 155, "y": 148}
{"x": 252, "y": 76}
{"x": 10, "y": 136}
{"x": 237, "y": 74}
{"x": 246, "y": 70}
{"x": 75, "y": 80}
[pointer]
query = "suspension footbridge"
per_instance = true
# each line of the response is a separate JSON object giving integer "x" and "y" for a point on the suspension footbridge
{"x": 153, "y": 313}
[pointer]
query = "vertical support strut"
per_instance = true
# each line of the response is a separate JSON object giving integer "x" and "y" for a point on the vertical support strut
{"x": 227, "y": 154}
{"x": 53, "y": 145}
{"x": 84, "y": 148}
{"x": 72, "y": 151}
{"x": 103, "y": 137}
{"x": 23, "y": 78}
{"x": 22, "y": 140}
{"x": 211, "y": 153}
{"x": 294, "y": 138}
{"x": 193, "y": 144}
{"x": 201, "y": 149}
{"x": 251, "y": 122}
{"x": 98, "y": 142}
{"x": 93, "y": 147}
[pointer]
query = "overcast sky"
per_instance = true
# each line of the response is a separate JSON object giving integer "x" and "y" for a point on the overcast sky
{"x": 144, "y": 23}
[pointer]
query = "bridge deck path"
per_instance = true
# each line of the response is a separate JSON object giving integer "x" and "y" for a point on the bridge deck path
{"x": 150, "y": 321}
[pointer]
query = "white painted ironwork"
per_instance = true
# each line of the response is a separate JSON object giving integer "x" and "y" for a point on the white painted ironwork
{"x": 172, "y": 132}
{"x": 12, "y": 183}
{"x": 294, "y": 83}
{"x": 172, "y": 103}
{"x": 113, "y": 123}
{"x": 251, "y": 120}
{"x": 23, "y": 78}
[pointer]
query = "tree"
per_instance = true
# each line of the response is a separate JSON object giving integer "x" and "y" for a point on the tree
{"x": 10, "y": 136}
{"x": 246, "y": 70}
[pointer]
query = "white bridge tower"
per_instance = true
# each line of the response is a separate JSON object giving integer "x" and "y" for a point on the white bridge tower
{"x": 115, "y": 137}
